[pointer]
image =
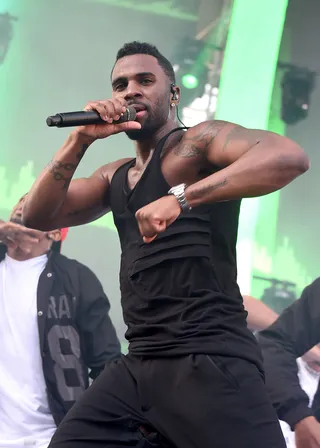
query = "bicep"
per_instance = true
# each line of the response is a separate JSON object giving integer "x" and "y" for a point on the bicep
{"x": 88, "y": 198}
{"x": 231, "y": 142}
{"x": 85, "y": 202}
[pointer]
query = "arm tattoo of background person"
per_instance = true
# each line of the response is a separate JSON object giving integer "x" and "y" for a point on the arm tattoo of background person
{"x": 207, "y": 189}
{"x": 59, "y": 172}
{"x": 199, "y": 143}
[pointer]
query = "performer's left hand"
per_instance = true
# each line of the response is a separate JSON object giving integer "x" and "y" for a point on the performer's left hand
{"x": 155, "y": 217}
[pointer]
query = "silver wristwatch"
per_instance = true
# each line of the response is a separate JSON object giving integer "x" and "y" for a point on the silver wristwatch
{"x": 179, "y": 192}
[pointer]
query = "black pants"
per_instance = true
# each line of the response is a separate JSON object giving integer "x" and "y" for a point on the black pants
{"x": 195, "y": 401}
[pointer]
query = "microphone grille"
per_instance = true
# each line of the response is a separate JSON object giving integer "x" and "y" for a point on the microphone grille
{"x": 131, "y": 113}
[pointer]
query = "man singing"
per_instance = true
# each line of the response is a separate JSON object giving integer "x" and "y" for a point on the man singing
{"x": 193, "y": 377}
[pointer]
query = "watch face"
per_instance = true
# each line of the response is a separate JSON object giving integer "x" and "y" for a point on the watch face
{"x": 178, "y": 189}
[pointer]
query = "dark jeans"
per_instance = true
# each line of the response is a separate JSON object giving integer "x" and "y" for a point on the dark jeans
{"x": 195, "y": 401}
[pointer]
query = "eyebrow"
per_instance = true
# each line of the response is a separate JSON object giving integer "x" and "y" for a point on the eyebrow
{"x": 137, "y": 75}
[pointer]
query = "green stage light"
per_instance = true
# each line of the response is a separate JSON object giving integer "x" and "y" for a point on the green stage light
{"x": 190, "y": 81}
{"x": 190, "y": 66}
{"x": 245, "y": 95}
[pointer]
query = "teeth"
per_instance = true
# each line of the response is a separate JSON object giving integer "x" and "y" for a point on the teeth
{"x": 139, "y": 109}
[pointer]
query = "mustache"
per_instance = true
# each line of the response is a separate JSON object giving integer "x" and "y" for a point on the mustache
{"x": 138, "y": 103}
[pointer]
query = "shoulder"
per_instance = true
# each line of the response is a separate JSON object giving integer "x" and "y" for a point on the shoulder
{"x": 313, "y": 288}
{"x": 204, "y": 134}
{"x": 107, "y": 171}
{"x": 207, "y": 128}
{"x": 70, "y": 264}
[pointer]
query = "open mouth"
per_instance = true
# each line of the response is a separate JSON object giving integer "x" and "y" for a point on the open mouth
{"x": 140, "y": 109}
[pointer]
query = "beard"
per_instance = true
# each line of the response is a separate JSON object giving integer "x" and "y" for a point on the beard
{"x": 153, "y": 122}
{"x": 145, "y": 133}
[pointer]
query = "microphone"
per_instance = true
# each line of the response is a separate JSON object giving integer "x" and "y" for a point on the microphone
{"x": 85, "y": 117}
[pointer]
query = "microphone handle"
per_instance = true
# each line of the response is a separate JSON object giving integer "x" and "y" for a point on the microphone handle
{"x": 83, "y": 118}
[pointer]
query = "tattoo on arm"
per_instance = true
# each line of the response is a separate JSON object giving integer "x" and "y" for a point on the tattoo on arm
{"x": 59, "y": 172}
{"x": 199, "y": 143}
{"x": 207, "y": 189}
{"x": 240, "y": 134}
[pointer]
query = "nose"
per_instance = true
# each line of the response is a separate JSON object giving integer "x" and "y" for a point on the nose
{"x": 133, "y": 91}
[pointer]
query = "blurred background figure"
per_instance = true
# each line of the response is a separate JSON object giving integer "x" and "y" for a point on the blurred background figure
{"x": 55, "y": 332}
{"x": 307, "y": 367}
{"x": 294, "y": 386}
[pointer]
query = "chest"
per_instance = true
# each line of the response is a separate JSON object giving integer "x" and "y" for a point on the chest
{"x": 177, "y": 164}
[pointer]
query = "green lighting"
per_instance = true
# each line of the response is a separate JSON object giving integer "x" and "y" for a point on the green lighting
{"x": 153, "y": 7}
{"x": 190, "y": 81}
{"x": 245, "y": 95}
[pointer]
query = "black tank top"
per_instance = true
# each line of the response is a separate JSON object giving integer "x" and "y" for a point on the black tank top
{"x": 179, "y": 293}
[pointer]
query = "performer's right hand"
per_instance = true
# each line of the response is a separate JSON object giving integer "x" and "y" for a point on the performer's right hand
{"x": 14, "y": 235}
{"x": 109, "y": 110}
{"x": 307, "y": 433}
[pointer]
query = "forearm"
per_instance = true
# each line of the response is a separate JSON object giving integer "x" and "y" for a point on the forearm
{"x": 48, "y": 193}
{"x": 261, "y": 170}
{"x": 260, "y": 316}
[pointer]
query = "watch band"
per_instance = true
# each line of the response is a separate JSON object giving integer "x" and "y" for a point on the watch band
{"x": 179, "y": 192}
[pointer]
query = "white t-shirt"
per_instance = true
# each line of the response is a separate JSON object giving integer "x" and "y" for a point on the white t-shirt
{"x": 25, "y": 418}
{"x": 309, "y": 381}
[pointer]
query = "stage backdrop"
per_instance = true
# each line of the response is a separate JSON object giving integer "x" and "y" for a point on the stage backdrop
{"x": 61, "y": 56}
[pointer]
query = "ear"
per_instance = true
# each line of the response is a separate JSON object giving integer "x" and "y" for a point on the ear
{"x": 175, "y": 94}
{"x": 54, "y": 235}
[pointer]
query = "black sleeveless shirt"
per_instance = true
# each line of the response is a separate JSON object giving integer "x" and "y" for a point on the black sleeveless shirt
{"x": 179, "y": 293}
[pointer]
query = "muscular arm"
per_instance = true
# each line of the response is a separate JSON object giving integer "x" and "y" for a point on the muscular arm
{"x": 252, "y": 163}
{"x": 55, "y": 200}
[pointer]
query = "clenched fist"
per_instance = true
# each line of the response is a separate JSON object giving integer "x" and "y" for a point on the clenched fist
{"x": 155, "y": 217}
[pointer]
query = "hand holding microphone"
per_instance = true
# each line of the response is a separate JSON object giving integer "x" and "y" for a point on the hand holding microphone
{"x": 100, "y": 119}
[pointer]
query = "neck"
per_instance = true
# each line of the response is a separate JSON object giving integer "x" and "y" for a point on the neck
{"x": 19, "y": 255}
{"x": 145, "y": 148}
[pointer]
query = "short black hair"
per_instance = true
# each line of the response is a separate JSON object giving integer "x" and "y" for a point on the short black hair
{"x": 132, "y": 48}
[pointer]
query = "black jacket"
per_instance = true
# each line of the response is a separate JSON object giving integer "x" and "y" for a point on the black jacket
{"x": 293, "y": 334}
{"x": 75, "y": 330}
